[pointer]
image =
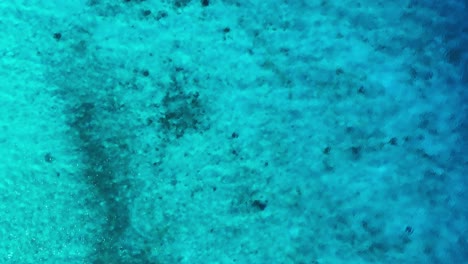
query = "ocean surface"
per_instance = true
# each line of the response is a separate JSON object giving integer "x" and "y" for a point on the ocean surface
{"x": 233, "y": 132}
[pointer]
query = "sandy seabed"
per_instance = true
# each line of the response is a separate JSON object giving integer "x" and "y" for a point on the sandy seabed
{"x": 224, "y": 131}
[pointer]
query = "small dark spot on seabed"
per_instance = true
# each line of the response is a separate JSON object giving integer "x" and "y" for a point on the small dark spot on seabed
{"x": 146, "y": 12}
{"x": 356, "y": 151}
{"x": 393, "y": 141}
{"x": 57, "y": 36}
{"x": 361, "y": 90}
{"x": 409, "y": 230}
{"x": 349, "y": 129}
{"x": 259, "y": 204}
{"x": 48, "y": 158}
{"x": 161, "y": 14}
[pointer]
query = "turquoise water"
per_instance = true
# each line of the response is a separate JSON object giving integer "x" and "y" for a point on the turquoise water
{"x": 224, "y": 131}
